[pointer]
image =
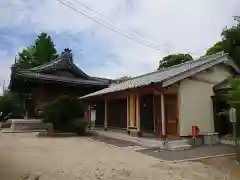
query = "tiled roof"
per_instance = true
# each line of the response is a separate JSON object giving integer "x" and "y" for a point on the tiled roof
{"x": 224, "y": 85}
{"x": 166, "y": 76}
{"x": 50, "y": 77}
{"x": 64, "y": 62}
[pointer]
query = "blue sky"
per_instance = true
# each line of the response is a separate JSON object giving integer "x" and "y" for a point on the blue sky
{"x": 175, "y": 26}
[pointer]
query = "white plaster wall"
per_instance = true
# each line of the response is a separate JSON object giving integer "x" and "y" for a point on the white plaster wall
{"x": 195, "y": 104}
{"x": 216, "y": 74}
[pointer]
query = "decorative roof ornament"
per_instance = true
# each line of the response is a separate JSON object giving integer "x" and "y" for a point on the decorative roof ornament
{"x": 67, "y": 54}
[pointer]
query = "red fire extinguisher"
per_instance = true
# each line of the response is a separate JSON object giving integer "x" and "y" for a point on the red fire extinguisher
{"x": 195, "y": 132}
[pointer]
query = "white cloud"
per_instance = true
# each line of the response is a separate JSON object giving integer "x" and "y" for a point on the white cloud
{"x": 6, "y": 61}
{"x": 178, "y": 26}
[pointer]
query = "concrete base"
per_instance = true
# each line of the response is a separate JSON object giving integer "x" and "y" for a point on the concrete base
{"x": 134, "y": 133}
{"x": 141, "y": 141}
{"x": 177, "y": 145}
{"x": 211, "y": 139}
{"x": 204, "y": 139}
{"x": 29, "y": 124}
{"x": 55, "y": 134}
{"x": 199, "y": 141}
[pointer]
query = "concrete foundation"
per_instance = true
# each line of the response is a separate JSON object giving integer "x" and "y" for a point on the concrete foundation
{"x": 29, "y": 124}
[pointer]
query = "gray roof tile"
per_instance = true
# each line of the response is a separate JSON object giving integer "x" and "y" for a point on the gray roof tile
{"x": 69, "y": 80}
{"x": 158, "y": 76}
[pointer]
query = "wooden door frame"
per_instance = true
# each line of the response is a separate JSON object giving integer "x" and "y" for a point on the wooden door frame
{"x": 153, "y": 115}
{"x": 155, "y": 111}
{"x": 115, "y": 104}
{"x": 154, "y": 118}
{"x": 177, "y": 135}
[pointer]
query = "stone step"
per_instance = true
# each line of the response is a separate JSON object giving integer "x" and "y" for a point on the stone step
{"x": 178, "y": 142}
{"x": 178, "y": 145}
{"x": 179, "y": 148}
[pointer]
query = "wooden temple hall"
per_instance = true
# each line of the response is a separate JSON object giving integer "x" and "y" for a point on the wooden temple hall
{"x": 45, "y": 83}
{"x": 165, "y": 103}
{"x": 139, "y": 111}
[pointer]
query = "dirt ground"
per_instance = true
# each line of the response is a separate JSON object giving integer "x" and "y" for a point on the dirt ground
{"x": 27, "y": 157}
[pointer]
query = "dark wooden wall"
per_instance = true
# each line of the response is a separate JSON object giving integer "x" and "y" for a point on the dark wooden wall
{"x": 117, "y": 113}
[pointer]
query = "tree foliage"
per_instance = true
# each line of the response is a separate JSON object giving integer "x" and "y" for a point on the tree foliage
{"x": 123, "y": 78}
{"x": 230, "y": 42}
{"x": 42, "y": 51}
{"x": 234, "y": 93}
{"x": 174, "y": 59}
{"x": 11, "y": 103}
{"x": 218, "y": 47}
{"x": 237, "y": 18}
{"x": 63, "y": 112}
{"x": 234, "y": 99}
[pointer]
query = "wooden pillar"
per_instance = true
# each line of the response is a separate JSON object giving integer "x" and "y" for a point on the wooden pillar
{"x": 89, "y": 116}
{"x": 128, "y": 113}
{"x": 154, "y": 115}
{"x": 87, "y": 113}
{"x": 138, "y": 123}
{"x": 105, "y": 116}
{"x": 132, "y": 110}
{"x": 163, "y": 115}
{"x": 25, "y": 104}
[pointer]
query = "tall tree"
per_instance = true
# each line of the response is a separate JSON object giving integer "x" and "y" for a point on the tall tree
{"x": 174, "y": 59}
{"x": 218, "y": 47}
{"x": 237, "y": 18}
{"x": 230, "y": 42}
{"x": 42, "y": 51}
{"x": 123, "y": 78}
{"x": 26, "y": 59}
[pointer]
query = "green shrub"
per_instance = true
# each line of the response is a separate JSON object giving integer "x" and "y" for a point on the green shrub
{"x": 63, "y": 112}
{"x": 79, "y": 126}
{"x": 6, "y": 124}
{"x": 11, "y": 103}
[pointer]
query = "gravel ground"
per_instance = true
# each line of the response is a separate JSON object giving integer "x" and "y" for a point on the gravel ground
{"x": 25, "y": 156}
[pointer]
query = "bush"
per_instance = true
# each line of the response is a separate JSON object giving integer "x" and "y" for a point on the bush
{"x": 6, "y": 124}
{"x": 79, "y": 126}
{"x": 66, "y": 114}
{"x": 11, "y": 103}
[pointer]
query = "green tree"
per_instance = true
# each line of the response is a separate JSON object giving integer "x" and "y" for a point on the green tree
{"x": 218, "y": 47}
{"x": 234, "y": 98}
{"x": 123, "y": 78}
{"x": 63, "y": 112}
{"x": 26, "y": 58}
{"x": 234, "y": 101}
{"x": 11, "y": 103}
{"x": 42, "y": 51}
{"x": 230, "y": 42}
{"x": 174, "y": 59}
{"x": 237, "y": 18}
